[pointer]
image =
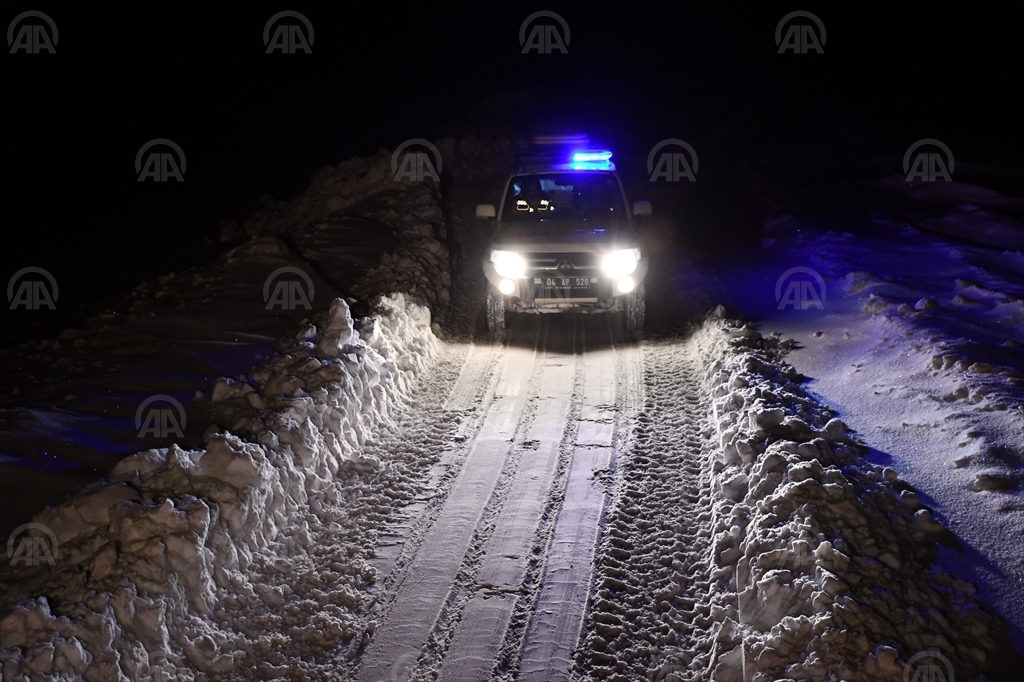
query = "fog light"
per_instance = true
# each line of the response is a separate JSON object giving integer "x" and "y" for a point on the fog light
{"x": 626, "y": 285}
{"x": 506, "y": 286}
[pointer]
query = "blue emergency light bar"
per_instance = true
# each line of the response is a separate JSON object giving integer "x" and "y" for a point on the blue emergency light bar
{"x": 556, "y": 153}
{"x": 597, "y": 159}
{"x": 591, "y": 156}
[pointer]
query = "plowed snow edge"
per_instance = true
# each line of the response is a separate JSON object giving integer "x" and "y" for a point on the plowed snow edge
{"x": 749, "y": 540}
{"x": 248, "y": 557}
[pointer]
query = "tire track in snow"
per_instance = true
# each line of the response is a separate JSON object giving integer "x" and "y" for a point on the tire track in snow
{"x": 476, "y": 382}
{"x": 422, "y": 592}
{"x": 510, "y": 550}
{"x": 537, "y": 606}
{"x": 479, "y": 364}
{"x": 554, "y": 625}
{"x": 498, "y": 583}
{"x": 652, "y": 575}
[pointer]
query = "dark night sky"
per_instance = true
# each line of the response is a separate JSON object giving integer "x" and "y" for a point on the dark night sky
{"x": 252, "y": 123}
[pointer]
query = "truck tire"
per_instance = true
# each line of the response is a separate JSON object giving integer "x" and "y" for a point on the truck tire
{"x": 636, "y": 310}
{"x": 496, "y": 315}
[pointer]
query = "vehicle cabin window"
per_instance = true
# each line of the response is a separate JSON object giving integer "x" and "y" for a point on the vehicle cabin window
{"x": 564, "y": 196}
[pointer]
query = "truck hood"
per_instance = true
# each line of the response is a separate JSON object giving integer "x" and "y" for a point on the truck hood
{"x": 562, "y": 235}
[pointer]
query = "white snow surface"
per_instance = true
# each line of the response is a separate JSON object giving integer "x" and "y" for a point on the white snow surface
{"x": 799, "y": 559}
{"x": 805, "y": 560}
{"x": 153, "y": 562}
{"x": 832, "y": 561}
{"x": 919, "y": 349}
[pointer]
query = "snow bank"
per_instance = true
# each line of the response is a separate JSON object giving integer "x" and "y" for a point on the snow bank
{"x": 976, "y": 213}
{"x": 152, "y": 578}
{"x": 919, "y": 344}
{"x": 832, "y": 557}
{"x": 364, "y": 188}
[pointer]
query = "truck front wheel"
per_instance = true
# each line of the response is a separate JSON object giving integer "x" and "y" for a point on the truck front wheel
{"x": 636, "y": 309}
{"x": 496, "y": 314}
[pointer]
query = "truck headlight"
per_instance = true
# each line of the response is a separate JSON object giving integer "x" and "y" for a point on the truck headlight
{"x": 620, "y": 263}
{"x": 508, "y": 264}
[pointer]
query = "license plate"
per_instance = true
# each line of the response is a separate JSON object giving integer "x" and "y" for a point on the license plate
{"x": 567, "y": 282}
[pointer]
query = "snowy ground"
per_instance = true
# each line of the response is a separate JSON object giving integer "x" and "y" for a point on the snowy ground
{"x": 919, "y": 346}
{"x": 378, "y": 499}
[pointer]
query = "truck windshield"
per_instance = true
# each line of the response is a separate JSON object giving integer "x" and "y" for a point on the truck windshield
{"x": 564, "y": 196}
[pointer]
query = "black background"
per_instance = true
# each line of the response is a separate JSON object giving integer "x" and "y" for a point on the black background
{"x": 252, "y": 123}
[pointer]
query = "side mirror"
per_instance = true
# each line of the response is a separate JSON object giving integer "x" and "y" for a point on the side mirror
{"x": 641, "y": 208}
{"x": 485, "y": 211}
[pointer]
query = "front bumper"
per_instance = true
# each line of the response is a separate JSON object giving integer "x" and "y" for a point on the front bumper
{"x": 532, "y": 293}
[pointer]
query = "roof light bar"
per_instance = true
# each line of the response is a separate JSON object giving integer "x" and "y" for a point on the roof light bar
{"x": 591, "y": 156}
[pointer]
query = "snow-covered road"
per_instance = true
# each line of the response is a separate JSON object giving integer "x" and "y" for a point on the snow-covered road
{"x": 499, "y": 578}
{"x": 676, "y": 509}
{"x": 570, "y": 504}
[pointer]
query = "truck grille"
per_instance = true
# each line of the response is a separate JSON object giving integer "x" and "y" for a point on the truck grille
{"x": 562, "y": 262}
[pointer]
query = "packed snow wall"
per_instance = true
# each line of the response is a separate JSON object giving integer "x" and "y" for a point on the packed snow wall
{"x": 151, "y": 572}
{"x": 824, "y": 562}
